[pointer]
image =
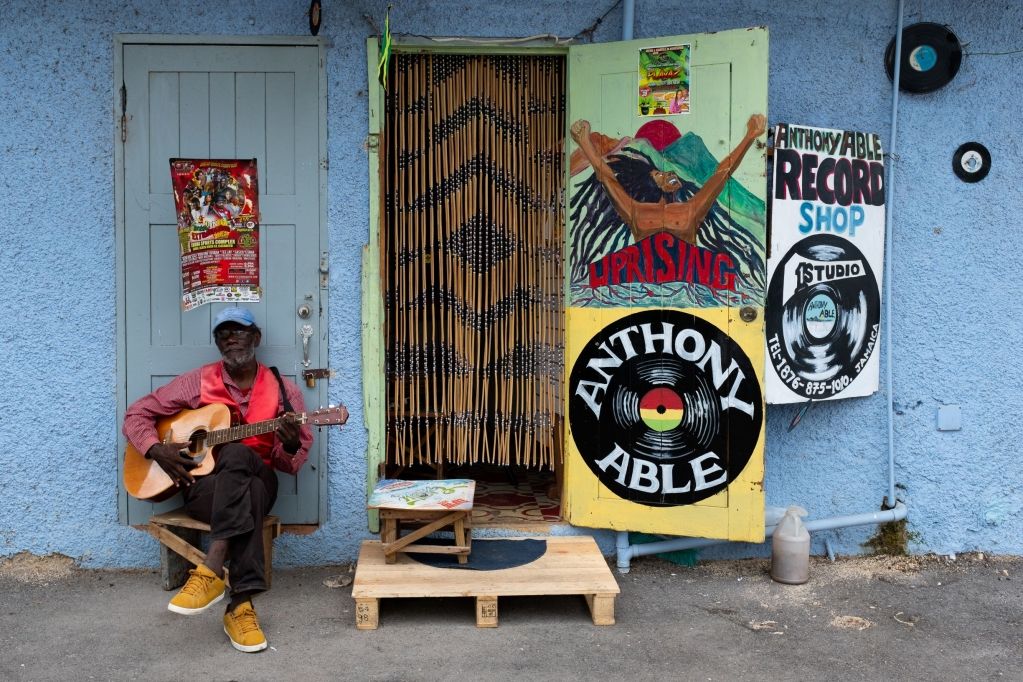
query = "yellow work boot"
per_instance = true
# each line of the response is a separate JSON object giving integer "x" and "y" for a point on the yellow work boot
{"x": 202, "y": 590}
{"x": 242, "y": 627}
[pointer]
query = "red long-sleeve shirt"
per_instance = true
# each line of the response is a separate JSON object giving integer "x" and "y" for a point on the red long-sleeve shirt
{"x": 183, "y": 392}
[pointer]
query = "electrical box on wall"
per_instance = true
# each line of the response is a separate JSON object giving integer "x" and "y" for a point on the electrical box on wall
{"x": 950, "y": 418}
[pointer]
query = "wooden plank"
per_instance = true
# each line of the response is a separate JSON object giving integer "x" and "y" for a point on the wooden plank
{"x": 560, "y": 556}
{"x": 461, "y": 543}
{"x": 279, "y": 250}
{"x": 268, "y": 553}
{"x": 222, "y": 115}
{"x": 436, "y": 549}
{"x": 179, "y": 517}
{"x": 279, "y": 171}
{"x": 423, "y": 515}
{"x": 602, "y": 608}
{"x": 367, "y": 614}
{"x": 173, "y": 567}
{"x": 486, "y": 611}
{"x": 164, "y": 142}
{"x": 177, "y": 544}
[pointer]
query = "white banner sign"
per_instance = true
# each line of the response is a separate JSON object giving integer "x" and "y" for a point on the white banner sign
{"x": 825, "y": 266}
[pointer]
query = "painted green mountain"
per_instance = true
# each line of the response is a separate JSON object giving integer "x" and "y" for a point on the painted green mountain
{"x": 690, "y": 159}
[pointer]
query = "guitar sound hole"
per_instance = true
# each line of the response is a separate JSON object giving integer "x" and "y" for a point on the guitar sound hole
{"x": 196, "y": 445}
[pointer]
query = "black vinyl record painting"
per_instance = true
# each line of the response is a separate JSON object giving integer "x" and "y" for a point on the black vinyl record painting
{"x": 931, "y": 55}
{"x": 823, "y": 316}
{"x": 665, "y": 408}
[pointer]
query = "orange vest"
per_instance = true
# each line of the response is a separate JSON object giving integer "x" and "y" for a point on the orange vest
{"x": 264, "y": 402}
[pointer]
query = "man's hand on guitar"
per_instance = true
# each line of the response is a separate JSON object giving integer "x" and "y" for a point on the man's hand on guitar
{"x": 170, "y": 459}
{"x": 288, "y": 434}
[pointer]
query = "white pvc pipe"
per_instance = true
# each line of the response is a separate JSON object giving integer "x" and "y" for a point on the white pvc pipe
{"x": 628, "y": 19}
{"x": 889, "y": 192}
{"x": 627, "y": 552}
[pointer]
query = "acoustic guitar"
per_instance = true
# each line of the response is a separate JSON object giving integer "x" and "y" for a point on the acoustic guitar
{"x": 203, "y": 429}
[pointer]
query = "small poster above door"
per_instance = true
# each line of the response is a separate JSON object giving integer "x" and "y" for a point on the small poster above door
{"x": 664, "y": 80}
{"x": 217, "y": 207}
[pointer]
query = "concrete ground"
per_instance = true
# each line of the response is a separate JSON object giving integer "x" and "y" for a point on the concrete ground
{"x": 925, "y": 618}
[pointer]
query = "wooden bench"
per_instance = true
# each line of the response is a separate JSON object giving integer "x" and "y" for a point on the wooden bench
{"x": 433, "y": 506}
{"x": 180, "y": 537}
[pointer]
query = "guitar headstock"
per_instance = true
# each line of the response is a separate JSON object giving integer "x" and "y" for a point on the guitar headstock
{"x": 328, "y": 416}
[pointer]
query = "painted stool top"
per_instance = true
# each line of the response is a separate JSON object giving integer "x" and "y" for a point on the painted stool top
{"x": 446, "y": 494}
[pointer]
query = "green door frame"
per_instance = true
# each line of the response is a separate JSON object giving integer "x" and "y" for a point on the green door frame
{"x": 374, "y": 385}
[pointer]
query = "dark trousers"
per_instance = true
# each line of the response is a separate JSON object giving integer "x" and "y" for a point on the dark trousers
{"x": 234, "y": 499}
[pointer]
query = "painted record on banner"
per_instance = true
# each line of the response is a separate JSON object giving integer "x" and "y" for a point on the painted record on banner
{"x": 665, "y": 408}
{"x": 823, "y": 308}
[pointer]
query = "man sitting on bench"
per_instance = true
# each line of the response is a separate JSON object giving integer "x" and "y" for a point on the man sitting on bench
{"x": 242, "y": 488}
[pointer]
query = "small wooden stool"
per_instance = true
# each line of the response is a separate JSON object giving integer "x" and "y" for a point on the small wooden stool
{"x": 436, "y": 504}
{"x": 184, "y": 540}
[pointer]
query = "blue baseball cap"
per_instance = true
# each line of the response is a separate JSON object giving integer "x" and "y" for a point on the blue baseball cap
{"x": 242, "y": 316}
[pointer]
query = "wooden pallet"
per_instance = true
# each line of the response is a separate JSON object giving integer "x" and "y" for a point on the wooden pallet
{"x": 571, "y": 565}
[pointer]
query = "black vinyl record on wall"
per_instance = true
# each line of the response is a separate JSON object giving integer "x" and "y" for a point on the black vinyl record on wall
{"x": 931, "y": 56}
{"x": 971, "y": 162}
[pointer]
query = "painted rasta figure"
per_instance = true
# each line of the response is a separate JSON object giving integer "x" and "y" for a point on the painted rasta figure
{"x": 628, "y": 198}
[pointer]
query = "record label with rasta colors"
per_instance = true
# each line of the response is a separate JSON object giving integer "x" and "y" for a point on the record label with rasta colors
{"x": 823, "y": 316}
{"x": 661, "y": 409}
{"x": 664, "y": 407}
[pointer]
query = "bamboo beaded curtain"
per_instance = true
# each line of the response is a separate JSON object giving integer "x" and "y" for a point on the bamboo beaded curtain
{"x": 473, "y": 259}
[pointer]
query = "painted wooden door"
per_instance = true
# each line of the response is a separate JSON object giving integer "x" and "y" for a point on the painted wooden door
{"x": 233, "y": 101}
{"x": 666, "y": 278}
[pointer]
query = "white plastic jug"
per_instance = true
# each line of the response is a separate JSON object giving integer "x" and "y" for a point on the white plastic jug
{"x": 790, "y": 549}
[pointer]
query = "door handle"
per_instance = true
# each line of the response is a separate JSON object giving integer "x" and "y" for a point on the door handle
{"x": 307, "y": 333}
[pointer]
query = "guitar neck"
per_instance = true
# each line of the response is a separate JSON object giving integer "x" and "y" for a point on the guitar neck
{"x": 242, "y": 431}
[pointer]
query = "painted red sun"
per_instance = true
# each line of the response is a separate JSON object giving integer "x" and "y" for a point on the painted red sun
{"x": 659, "y": 133}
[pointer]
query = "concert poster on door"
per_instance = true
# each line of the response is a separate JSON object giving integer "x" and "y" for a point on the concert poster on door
{"x": 664, "y": 80}
{"x": 217, "y": 205}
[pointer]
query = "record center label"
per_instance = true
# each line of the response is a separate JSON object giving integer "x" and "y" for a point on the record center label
{"x": 661, "y": 409}
{"x": 819, "y": 316}
{"x": 665, "y": 408}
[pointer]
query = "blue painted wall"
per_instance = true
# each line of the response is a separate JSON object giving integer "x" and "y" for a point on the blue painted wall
{"x": 956, "y": 258}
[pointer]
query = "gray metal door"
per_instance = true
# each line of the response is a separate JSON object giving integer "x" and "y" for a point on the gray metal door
{"x": 225, "y": 101}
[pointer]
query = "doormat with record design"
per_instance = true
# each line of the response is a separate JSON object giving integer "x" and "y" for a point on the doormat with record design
{"x": 486, "y": 555}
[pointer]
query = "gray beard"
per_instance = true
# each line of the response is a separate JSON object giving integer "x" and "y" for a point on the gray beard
{"x": 237, "y": 359}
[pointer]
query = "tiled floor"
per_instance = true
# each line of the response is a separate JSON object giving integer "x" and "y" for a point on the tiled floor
{"x": 520, "y": 500}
